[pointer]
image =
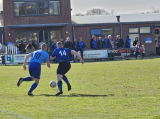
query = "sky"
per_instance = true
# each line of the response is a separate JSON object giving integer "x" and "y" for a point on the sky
{"x": 119, "y": 6}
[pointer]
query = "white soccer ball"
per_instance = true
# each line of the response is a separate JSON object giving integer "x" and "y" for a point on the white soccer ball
{"x": 53, "y": 84}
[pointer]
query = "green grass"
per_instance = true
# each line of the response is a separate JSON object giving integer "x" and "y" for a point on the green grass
{"x": 108, "y": 90}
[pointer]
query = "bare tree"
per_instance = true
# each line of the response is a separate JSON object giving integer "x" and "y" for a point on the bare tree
{"x": 97, "y": 11}
{"x": 79, "y": 14}
{"x": 155, "y": 10}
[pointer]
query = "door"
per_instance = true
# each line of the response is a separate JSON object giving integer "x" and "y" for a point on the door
{"x": 132, "y": 37}
{"x": 33, "y": 37}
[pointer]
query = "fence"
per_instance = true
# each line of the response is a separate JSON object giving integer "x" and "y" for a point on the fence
{"x": 8, "y": 50}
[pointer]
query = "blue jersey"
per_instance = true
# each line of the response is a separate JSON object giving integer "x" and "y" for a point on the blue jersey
{"x": 81, "y": 45}
{"x": 128, "y": 43}
{"x": 39, "y": 56}
{"x": 54, "y": 46}
{"x": 94, "y": 44}
{"x": 105, "y": 43}
{"x": 61, "y": 54}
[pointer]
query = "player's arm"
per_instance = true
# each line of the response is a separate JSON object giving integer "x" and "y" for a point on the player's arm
{"x": 48, "y": 65}
{"x": 25, "y": 60}
{"x": 77, "y": 54}
{"x": 52, "y": 58}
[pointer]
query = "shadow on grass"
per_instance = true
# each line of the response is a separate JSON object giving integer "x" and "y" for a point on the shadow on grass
{"x": 77, "y": 95}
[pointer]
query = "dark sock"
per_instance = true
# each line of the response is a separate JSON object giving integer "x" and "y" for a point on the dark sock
{"x": 33, "y": 87}
{"x": 60, "y": 85}
{"x": 66, "y": 80}
{"x": 27, "y": 79}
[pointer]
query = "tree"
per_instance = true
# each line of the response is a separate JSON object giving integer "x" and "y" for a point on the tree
{"x": 97, "y": 11}
{"x": 155, "y": 10}
{"x": 79, "y": 14}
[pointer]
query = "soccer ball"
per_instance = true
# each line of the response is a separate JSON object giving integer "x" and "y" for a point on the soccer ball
{"x": 53, "y": 84}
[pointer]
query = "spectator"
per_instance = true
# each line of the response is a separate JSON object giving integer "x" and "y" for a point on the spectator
{"x": 137, "y": 49}
{"x": 62, "y": 40}
{"x": 95, "y": 43}
{"x": 76, "y": 45}
{"x": 128, "y": 42}
{"x": 69, "y": 44}
{"x": 29, "y": 48}
{"x": 119, "y": 42}
{"x": 143, "y": 51}
{"x": 54, "y": 45}
{"x": 22, "y": 47}
{"x": 91, "y": 41}
{"x": 81, "y": 46}
{"x": 156, "y": 45}
{"x": 34, "y": 45}
{"x": 110, "y": 42}
{"x": 100, "y": 43}
{"x": 105, "y": 41}
{"x": 135, "y": 41}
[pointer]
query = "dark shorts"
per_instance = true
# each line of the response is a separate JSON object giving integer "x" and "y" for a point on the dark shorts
{"x": 35, "y": 69}
{"x": 63, "y": 67}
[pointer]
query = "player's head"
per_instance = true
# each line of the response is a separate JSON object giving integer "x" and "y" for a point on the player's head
{"x": 44, "y": 46}
{"x": 59, "y": 44}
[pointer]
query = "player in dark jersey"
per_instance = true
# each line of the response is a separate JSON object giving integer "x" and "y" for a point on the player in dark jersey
{"x": 62, "y": 56}
{"x": 38, "y": 57}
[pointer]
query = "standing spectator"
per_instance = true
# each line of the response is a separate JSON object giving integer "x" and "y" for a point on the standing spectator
{"x": 156, "y": 45}
{"x": 100, "y": 43}
{"x": 81, "y": 46}
{"x": 95, "y": 43}
{"x": 76, "y": 45}
{"x": 105, "y": 42}
{"x": 135, "y": 41}
{"x": 29, "y": 48}
{"x": 69, "y": 44}
{"x": 119, "y": 42}
{"x": 128, "y": 42}
{"x": 62, "y": 40}
{"x": 143, "y": 51}
{"x": 91, "y": 41}
{"x": 22, "y": 47}
{"x": 34, "y": 45}
{"x": 54, "y": 45}
{"x": 110, "y": 43}
{"x": 137, "y": 49}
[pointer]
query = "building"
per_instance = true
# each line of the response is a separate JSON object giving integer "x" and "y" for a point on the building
{"x": 46, "y": 20}
{"x": 142, "y": 26}
{"x": 36, "y": 20}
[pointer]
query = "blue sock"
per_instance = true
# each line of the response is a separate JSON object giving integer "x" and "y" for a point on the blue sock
{"x": 66, "y": 80}
{"x": 60, "y": 85}
{"x": 33, "y": 87}
{"x": 27, "y": 79}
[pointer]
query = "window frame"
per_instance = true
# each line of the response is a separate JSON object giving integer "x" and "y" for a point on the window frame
{"x": 101, "y": 31}
{"x": 37, "y": 8}
{"x": 139, "y": 30}
{"x": 145, "y": 27}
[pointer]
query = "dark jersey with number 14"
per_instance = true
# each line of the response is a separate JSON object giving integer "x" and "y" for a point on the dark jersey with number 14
{"x": 61, "y": 54}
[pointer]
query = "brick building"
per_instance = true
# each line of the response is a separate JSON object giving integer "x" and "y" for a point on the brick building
{"x": 46, "y": 20}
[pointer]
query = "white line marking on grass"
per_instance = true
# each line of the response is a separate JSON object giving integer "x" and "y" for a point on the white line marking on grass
{"x": 14, "y": 114}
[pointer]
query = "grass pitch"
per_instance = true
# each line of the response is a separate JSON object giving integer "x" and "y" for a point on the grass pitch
{"x": 107, "y": 90}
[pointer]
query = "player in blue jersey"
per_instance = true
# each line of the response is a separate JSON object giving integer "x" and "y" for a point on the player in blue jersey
{"x": 38, "y": 57}
{"x": 62, "y": 56}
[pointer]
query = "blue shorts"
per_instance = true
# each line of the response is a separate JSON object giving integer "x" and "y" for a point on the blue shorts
{"x": 35, "y": 69}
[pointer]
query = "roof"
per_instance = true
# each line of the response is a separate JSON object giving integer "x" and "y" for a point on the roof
{"x": 37, "y": 25}
{"x": 111, "y": 19}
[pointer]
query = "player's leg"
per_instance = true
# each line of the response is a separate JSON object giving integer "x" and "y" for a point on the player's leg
{"x": 34, "y": 86}
{"x": 29, "y": 78}
{"x": 59, "y": 79}
{"x": 67, "y": 67}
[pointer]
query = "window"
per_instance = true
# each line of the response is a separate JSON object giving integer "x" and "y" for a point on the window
{"x": 43, "y": 7}
{"x": 31, "y": 8}
{"x": 20, "y": 36}
{"x": 54, "y": 7}
{"x": 19, "y": 8}
{"x": 107, "y": 31}
{"x": 55, "y": 35}
{"x": 145, "y": 29}
{"x": 133, "y": 30}
{"x": 96, "y": 31}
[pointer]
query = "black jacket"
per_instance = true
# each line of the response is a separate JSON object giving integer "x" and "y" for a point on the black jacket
{"x": 69, "y": 45}
{"x": 91, "y": 44}
{"x": 135, "y": 43}
{"x": 100, "y": 44}
{"x": 119, "y": 43}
